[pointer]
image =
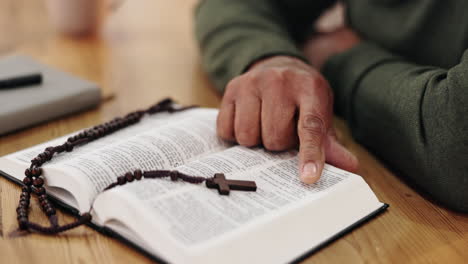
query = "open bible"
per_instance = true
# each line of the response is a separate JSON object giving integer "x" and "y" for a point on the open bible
{"x": 176, "y": 222}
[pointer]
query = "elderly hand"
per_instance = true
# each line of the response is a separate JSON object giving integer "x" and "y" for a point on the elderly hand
{"x": 279, "y": 102}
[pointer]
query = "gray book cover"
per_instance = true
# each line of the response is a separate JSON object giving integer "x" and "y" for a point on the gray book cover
{"x": 59, "y": 94}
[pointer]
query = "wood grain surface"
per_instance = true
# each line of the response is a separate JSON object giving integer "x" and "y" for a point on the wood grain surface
{"x": 143, "y": 52}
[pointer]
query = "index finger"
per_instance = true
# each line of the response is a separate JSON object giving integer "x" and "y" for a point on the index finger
{"x": 313, "y": 124}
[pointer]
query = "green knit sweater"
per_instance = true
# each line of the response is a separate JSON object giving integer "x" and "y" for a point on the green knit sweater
{"x": 403, "y": 91}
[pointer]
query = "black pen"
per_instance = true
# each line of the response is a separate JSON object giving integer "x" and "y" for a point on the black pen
{"x": 22, "y": 80}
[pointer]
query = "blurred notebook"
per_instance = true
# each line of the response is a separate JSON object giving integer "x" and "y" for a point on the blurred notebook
{"x": 59, "y": 94}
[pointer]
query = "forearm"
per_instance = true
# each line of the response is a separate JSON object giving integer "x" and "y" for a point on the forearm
{"x": 234, "y": 34}
{"x": 412, "y": 116}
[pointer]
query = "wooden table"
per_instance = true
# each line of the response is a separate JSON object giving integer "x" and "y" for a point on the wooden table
{"x": 145, "y": 52}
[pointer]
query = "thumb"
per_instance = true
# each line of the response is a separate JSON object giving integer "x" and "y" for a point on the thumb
{"x": 338, "y": 156}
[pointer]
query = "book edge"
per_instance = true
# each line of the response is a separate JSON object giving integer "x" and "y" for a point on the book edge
{"x": 101, "y": 229}
{"x": 342, "y": 233}
{"x": 112, "y": 234}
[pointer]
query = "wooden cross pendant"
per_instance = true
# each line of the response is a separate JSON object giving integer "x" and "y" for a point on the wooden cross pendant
{"x": 224, "y": 185}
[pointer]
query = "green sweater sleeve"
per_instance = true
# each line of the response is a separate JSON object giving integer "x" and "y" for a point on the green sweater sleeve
{"x": 233, "y": 34}
{"x": 412, "y": 116}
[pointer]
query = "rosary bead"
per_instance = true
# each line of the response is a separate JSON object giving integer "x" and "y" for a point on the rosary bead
{"x": 38, "y": 182}
{"x": 68, "y": 146}
{"x": 131, "y": 119}
{"x": 138, "y": 114}
{"x": 48, "y": 154}
{"x": 93, "y": 134}
{"x": 129, "y": 176}
{"x": 39, "y": 191}
{"x": 27, "y": 172}
{"x": 98, "y": 133}
{"x": 174, "y": 175}
{"x": 59, "y": 148}
{"x": 44, "y": 157}
{"x": 27, "y": 181}
{"x": 101, "y": 131}
{"x": 24, "y": 204}
{"x": 121, "y": 180}
{"x": 50, "y": 211}
{"x": 47, "y": 206}
{"x": 20, "y": 210}
{"x": 25, "y": 201}
{"x": 36, "y": 161}
{"x": 23, "y": 222}
{"x": 26, "y": 189}
{"x": 85, "y": 133}
{"x": 50, "y": 149}
{"x": 19, "y": 216}
{"x": 42, "y": 197}
{"x": 138, "y": 174}
{"x": 25, "y": 195}
{"x": 36, "y": 172}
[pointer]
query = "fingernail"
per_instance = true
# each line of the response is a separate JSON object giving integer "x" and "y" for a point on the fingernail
{"x": 309, "y": 172}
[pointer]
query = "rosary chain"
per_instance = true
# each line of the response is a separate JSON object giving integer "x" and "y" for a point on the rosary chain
{"x": 33, "y": 181}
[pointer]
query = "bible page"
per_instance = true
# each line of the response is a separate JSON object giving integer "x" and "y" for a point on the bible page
{"x": 195, "y": 218}
{"x": 161, "y": 141}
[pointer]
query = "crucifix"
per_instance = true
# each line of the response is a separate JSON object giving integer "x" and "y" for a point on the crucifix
{"x": 224, "y": 185}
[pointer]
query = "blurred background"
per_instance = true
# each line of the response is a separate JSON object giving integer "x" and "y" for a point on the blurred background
{"x": 136, "y": 51}
{"x": 128, "y": 47}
